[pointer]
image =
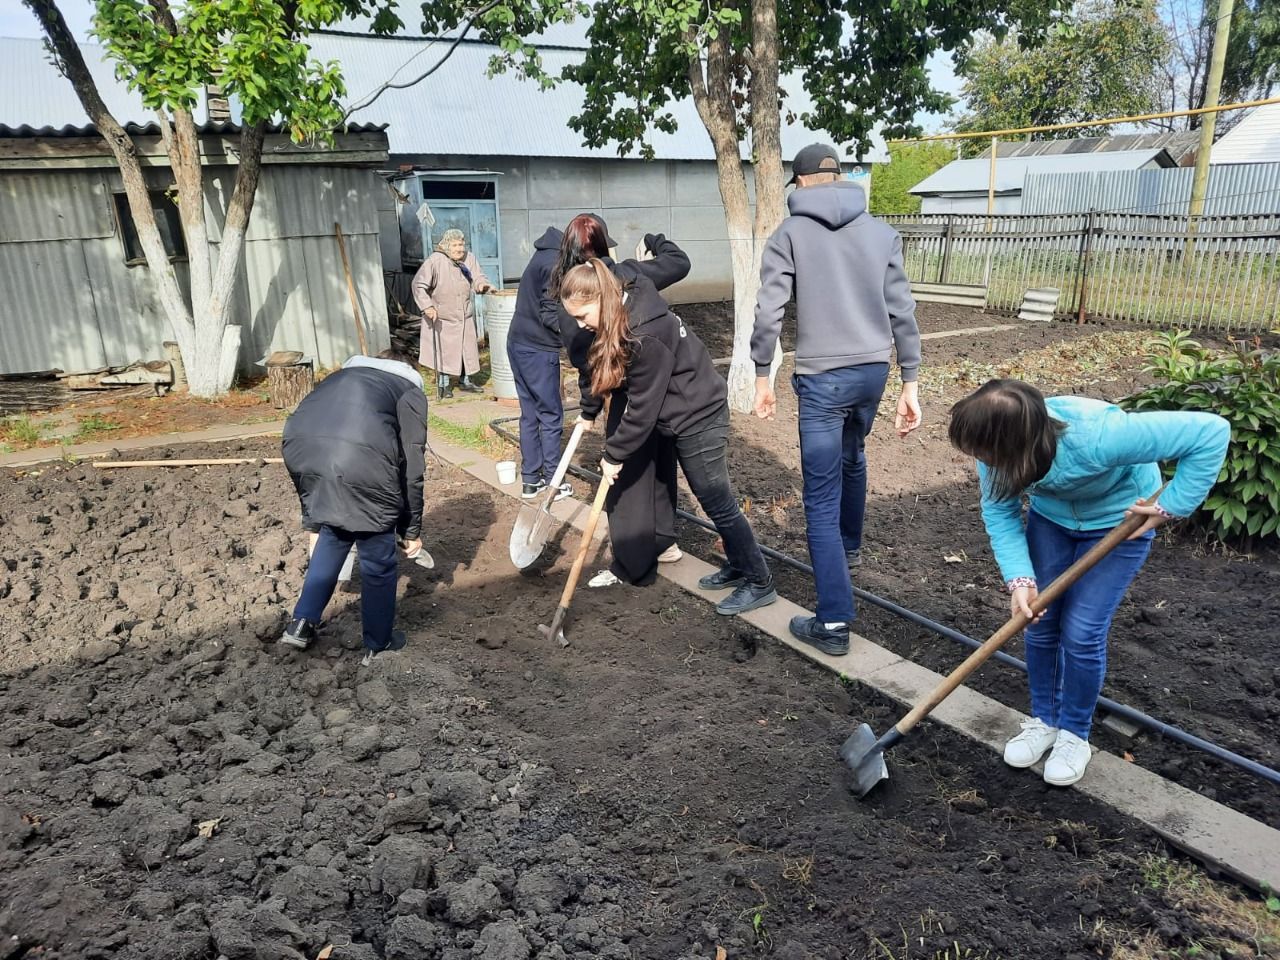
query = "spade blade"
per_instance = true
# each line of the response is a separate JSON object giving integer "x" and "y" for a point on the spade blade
{"x": 529, "y": 535}
{"x": 864, "y": 755}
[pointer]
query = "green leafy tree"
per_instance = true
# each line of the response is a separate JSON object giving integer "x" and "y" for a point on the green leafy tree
{"x": 863, "y": 66}
{"x": 256, "y": 52}
{"x": 909, "y": 163}
{"x": 1105, "y": 60}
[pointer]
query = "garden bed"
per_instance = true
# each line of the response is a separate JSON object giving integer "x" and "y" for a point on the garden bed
{"x": 174, "y": 784}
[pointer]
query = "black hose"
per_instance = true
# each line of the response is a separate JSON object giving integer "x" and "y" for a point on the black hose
{"x": 1118, "y": 709}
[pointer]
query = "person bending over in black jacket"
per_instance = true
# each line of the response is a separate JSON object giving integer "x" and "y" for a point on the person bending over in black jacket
{"x": 673, "y": 389}
{"x": 355, "y": 451}
{"x": 644, "y": 498}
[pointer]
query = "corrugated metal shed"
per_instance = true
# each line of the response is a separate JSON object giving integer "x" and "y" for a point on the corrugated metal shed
{"x": 1247, "y": 188}
{"x": 1255, "y": 139}
{"x": 972, "y": 176}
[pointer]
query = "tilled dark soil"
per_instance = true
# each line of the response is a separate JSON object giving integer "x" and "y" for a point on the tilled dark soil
{"x": 175, "y": 785}
{"x": 1193, "y": 643}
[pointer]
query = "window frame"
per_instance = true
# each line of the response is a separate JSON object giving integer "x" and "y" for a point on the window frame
{"x": 163, "y": 205}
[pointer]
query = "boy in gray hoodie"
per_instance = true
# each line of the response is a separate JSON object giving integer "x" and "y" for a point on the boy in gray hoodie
{"x": 844, "y": 269}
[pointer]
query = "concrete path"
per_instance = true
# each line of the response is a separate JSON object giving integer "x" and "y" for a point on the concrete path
{"x": 1222, "y": 838}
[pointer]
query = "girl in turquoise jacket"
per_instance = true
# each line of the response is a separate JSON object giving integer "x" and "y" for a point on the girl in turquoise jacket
{"x": 1084, "y": 464}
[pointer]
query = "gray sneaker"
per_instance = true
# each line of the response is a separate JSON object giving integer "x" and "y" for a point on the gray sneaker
{"x": 854, "y": 557}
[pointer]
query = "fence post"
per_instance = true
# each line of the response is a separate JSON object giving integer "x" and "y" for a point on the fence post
{"x": 1086, "y": 249}
{"x": 947, "y": 239}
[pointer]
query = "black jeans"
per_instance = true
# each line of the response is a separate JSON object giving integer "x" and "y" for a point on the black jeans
{"x": 704, "y": 459}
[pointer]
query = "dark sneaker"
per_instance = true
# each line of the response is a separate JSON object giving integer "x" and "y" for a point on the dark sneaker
{"x": 447, "y": 394}
{"x": 833, "y": 641}
{"x": 530, "y": 491}
{"x": 300, "y": 634}
{"x": 722, "y": 579}
{"x": 398, "y": 640}
{"x": 563, "y": 491}
{"x": 468, "y": 387}
{"x": 749, "y": 596}
{"x": 854, "y": 557}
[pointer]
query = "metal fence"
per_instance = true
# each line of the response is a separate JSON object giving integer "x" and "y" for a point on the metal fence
{"x": 1216, "y": 273}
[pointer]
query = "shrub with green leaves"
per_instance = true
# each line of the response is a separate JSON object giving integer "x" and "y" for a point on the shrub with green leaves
{"x": 1243, "y": 385}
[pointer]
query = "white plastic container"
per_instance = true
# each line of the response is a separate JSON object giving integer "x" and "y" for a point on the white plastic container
{"x": 506, "y": 471}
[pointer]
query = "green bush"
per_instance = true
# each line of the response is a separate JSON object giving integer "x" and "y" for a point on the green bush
{"x": 1243, "y": 385}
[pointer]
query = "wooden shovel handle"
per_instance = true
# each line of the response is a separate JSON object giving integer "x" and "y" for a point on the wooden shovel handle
{"x": 587, "y": 534}
{"x": 1018, "y": 622}
{"x": 351, "y": 290}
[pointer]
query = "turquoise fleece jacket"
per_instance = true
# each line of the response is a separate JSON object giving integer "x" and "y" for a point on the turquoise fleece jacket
{"x": 1106, "y": 461}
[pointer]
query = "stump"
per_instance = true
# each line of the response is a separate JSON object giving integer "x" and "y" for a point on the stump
{"x": 289, "y": 379}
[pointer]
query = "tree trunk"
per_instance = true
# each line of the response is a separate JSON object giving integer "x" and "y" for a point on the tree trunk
{"x": 713, "y": 97}
{"x": 766, "y": 130}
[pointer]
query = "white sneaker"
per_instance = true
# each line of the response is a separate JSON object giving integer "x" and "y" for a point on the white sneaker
{"x": 1026, "y": 749}
{"x": 671, "y": 555}
{"x": 604, "y": 578}
{"x": 1067, "y": 763}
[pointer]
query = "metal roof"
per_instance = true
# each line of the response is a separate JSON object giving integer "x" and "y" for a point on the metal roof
{"x": 1255, "y": 139}
{"x": 971, "y": 176}
{"x": 1178, "y": 145}
{"x": 148, "y": 129}
{"x": 458, "y": 111}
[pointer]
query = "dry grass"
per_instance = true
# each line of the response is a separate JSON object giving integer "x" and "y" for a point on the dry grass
{"x": 1068, "y": 363}
{"x": 1230, "y": 921}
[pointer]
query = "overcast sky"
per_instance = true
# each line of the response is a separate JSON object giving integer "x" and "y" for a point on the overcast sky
{"x": 17, "y": 21}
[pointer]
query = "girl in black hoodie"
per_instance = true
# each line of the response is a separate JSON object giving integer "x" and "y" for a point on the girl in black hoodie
{"x": 672, "y": 389}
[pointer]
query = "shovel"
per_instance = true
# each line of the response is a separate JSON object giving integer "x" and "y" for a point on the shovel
{"x": 534, "y": 522}
{"x": 864, "y": 754}
{"x": 556, "y": 630}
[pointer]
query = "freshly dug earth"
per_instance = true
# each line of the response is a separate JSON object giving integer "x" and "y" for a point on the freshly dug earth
{"x": 173, "y": 784}
{"x": 1194, "y": 642}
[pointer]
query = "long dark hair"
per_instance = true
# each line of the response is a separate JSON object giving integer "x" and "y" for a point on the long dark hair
{"x": 593, "y": 282}
{"x": 584, "y": 238}
{"x": 1006, "y": 425}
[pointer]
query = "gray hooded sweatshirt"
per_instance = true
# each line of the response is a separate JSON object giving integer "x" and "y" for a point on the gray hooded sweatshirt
{"x": 844, "y": 269}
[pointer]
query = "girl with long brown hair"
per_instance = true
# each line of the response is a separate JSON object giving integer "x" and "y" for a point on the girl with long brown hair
{"x": 672, "y": 390}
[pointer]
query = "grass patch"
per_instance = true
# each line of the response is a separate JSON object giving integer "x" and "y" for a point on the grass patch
{"x": 479, "y": 437}
{"x": 20, "y": 432}
{"x": 1227, "y": 921}
{"x": 93, "y": 426}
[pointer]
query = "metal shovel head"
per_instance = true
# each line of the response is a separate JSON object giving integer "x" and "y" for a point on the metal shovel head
{"x": 865, "y": 758}
{"x": 529, "y": 535}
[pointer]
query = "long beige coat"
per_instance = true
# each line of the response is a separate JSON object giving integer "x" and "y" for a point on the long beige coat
{"x": 439, "y": 283}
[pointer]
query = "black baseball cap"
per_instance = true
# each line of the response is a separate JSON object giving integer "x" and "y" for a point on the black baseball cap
{"x": 608, "y": 240}
{"x": 815, "y": 158}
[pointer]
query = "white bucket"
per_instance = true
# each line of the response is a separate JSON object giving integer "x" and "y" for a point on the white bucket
{"x": 499, "y": 308}
{"x": 506, "y": 471}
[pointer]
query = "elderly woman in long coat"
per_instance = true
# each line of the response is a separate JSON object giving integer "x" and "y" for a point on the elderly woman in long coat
{"x": 442, "y": 289}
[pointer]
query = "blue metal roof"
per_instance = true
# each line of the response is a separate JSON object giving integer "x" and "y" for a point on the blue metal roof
{"x": 972, "y": 176}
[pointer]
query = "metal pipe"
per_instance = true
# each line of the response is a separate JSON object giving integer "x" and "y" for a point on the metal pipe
{"x": 1111, "y": 706}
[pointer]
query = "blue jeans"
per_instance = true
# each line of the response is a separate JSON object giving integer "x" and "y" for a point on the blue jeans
{"x": 537, "y": 376}
{"x": 377, "y": 555}
{"x": 1067, "y": 649}
{"x": 837, "y": 408}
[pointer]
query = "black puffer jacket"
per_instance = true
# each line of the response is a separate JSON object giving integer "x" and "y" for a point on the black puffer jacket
{"x": 537, "y": 318}
{"x": 672, "y": 386}
{"x": 355, "y": 448}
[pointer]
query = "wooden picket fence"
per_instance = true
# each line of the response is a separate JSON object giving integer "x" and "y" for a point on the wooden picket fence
{"x": 1216, "y": 273}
